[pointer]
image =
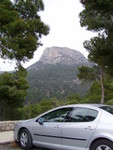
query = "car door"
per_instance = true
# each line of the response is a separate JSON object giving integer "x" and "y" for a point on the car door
{"x": 49, "y": 131}
{"x": 79, "y": 127}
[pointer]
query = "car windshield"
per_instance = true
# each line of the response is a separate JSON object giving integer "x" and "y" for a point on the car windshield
{"x": 108, "y": 109}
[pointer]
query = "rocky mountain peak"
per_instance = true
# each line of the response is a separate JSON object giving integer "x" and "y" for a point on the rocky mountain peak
{"x": 62, "y": 55}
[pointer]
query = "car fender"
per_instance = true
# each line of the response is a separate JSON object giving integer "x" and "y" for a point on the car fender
{"x": 100, "y": 135}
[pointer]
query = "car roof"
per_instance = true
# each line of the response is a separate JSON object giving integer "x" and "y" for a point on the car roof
{"x": 86, "y": 105}
{"x": 91, "y": 106}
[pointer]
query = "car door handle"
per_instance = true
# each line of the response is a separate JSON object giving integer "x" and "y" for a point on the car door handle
{"x": 88, "y": 128}
{"x": 56, "y": 126}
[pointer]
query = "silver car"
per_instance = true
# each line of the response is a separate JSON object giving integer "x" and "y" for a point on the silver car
{"x": 70, "y": 127}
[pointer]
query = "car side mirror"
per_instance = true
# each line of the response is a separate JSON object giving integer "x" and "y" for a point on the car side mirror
{"x": 40, "y": 121}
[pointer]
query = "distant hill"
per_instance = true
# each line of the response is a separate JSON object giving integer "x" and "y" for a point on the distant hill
{"x": 55, "y": 74}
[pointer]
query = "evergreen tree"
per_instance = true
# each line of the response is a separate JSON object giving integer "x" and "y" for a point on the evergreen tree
{"x": 88, "y": 74}
{"x": 97, "y": 18}
{"x": 21, "y": 29}
{"x": 94, "y": 93}
{"x": 97, "y": 55}
{"x": 13, "y": 91}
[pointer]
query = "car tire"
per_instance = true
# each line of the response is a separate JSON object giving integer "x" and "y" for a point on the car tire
{"x": 102, "y": 144}
{"x": 25, "y": 139}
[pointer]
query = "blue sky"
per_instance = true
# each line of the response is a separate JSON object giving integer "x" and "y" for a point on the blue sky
{"x": 65, "y": 31}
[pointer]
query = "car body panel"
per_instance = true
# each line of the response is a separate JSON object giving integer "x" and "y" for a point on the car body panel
{"x": 47, "y": 132}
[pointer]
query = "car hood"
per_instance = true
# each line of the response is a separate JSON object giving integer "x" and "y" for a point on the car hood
{"x": 22, "y": 122}
{"x": 29, "y": 120}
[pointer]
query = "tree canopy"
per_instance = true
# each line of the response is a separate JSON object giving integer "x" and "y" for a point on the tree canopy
{"x": 21, "y": 28}
{"x": 13, "y": 91}
{"x": 97, "y": 16}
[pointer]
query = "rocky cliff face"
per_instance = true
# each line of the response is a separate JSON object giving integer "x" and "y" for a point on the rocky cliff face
{"x": 58, "y": 55}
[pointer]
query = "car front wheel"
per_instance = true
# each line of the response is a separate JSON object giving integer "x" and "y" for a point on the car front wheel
{"x": 102, "y": 145}
{"x": 25, "y": 139}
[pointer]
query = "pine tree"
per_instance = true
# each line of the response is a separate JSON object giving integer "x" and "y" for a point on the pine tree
{"x": 95, "y": 17}
{"x": 13, "y": 91}
{"x": 21, "y": 29}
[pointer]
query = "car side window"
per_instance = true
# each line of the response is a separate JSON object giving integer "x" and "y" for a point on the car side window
{"x": 57, "y": 115}
{"x": 82, "y": 115}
